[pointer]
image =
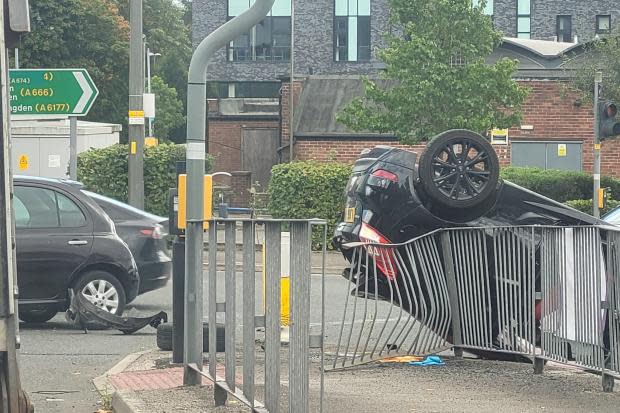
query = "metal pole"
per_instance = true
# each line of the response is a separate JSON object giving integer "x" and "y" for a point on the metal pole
{"x": 16, "y": 58}
{"x": 12, "y": 397}
{"x": 136, "y": 91}
{"x": 197, "y": 146}
{"x": 73, "y": 147}
{"x": 148, "y": 83}
{"x": 598, "y": 79}
{"x": 178, "y": 289}
{"x": 291, "y": 139}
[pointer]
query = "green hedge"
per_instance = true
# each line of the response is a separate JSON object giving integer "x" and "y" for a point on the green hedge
{"x": 309, "y": 190}
{"x": 561, "y": 186}
{"x": 585, "y": 205}
{"x": 105, "y": 171}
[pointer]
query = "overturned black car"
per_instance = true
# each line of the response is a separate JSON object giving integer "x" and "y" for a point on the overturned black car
{"x": 392, "y": 197}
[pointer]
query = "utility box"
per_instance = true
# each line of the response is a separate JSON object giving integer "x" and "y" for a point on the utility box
{"x": 41, "y": 147}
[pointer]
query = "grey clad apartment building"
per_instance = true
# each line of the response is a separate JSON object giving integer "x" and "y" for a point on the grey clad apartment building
{"x": 340, "y": 37}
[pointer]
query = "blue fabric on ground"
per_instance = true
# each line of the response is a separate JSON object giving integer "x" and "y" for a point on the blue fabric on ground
{"x": 428, "y": 361}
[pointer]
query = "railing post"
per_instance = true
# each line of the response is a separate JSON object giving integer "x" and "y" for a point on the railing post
{"x": 249, "y": 304}
{"x": 300, "y": 246}
{"x": 272, "y": 316}
{"x": 230, "y": 286}
{"x": 219, "y": 395}
{"x": 446, "y": 247}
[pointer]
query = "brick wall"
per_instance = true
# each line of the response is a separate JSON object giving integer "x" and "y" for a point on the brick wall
{"x": 551, "y": 111}
{"x": 241, "y": 182}
{"x": 286, "y": 95}
{"x": 330, "y": 150}
{"x": 225, "y": 141}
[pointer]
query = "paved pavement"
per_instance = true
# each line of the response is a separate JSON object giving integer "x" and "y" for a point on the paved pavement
{"x": 58, "y": 363}
{"x": 150, "y": 384}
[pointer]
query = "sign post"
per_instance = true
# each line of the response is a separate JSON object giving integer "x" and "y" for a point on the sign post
{"x": 73, "y": 147}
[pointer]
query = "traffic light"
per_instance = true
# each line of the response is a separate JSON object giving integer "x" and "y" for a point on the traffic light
{"x": 608, "y": 124}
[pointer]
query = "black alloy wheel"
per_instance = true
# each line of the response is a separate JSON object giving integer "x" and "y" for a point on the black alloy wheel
{"x": 459, "y": 169}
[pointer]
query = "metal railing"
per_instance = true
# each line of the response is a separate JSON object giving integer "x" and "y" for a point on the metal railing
{"x": 240, "y": 339}
{"x": 545, "y": 293}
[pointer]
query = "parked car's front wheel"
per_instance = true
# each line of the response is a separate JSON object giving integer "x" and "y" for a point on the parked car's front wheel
{"x": 459, "y": 169}
{"x": 37, "y": 315}
{"x": 103, "y": 290}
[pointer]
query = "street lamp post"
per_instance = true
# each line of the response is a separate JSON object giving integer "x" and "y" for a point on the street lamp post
{"x": 150, "y": 54}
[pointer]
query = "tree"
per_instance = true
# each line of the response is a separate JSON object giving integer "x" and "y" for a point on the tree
{"x": 436, "y": 77}
{"x": 168, "y": 32}
{"x": 169, "y": 112}
{"x": 83, "y": 33}
{"x": 603, "y": 55}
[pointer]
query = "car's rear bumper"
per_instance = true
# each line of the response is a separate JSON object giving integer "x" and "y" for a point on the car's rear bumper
{"x": 154, "y": 275}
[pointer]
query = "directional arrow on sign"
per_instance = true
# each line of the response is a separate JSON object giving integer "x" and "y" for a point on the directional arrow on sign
{"x": 69, "y": 92}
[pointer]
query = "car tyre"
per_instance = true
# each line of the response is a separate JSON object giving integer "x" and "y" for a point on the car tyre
{"x": 164, "y": 337}
{"x": 38, "y": 315}
{"x": 459, "y": 169}
{"x": 102, "y": 289}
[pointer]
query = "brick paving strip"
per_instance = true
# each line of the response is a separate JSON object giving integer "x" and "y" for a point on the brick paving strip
{"x": 155, "y": 379}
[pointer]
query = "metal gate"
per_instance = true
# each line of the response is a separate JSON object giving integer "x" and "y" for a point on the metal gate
{"x": 265, "y": 384}
{"x": 547, "y": 293}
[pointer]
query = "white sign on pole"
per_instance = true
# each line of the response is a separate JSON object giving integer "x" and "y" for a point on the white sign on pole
{"x": 149, "y": 105}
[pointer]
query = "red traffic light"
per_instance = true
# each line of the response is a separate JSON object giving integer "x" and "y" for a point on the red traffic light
{"x": 610, "y": 110}
{"x": 608, "y": 126}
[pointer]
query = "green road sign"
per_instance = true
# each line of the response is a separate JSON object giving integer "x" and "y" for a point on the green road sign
{"x": 51, "y": 92}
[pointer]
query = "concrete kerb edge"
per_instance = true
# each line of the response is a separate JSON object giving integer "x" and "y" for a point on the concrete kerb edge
{"x": 123, "y": 402}
{"x": 103, "y": 385}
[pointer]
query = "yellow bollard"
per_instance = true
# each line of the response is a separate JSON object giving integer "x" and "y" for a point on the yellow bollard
{"x": 284, "y": 279}
{"x": 207, "y": 200}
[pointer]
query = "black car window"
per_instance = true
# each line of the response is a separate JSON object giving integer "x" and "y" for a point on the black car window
{"x": 45, "y": 208}
{"x": 70, "y": 214}
{"x": 22, "y": 217}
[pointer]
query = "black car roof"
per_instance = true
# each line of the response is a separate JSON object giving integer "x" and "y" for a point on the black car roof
{"x": 35, "y": 179}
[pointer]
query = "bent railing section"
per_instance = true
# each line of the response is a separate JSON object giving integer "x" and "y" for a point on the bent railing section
{"x": 546, "y": 293}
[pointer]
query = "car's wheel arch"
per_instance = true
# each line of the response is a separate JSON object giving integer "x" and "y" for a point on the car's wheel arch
{"x": 117, "y": 272}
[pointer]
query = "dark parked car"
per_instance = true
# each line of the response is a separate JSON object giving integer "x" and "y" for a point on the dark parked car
{"x": 65, "y": 240}
{"x": 145, "y": 235}
{"x": 392, "y": 197}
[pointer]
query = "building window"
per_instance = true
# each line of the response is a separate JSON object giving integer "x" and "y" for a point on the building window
{"x": 223, "y": 90}
{"x": 603, "y": 24}
{"x": 488, "y": 6}
{"x": 270, "y": 40}
{"x": 564, "y": 29}
{"x": 351, "y": 30}
{"x": 524, "y": 16}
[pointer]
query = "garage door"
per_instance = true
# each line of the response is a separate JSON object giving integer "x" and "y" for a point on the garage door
{"x": 547, "y": 155}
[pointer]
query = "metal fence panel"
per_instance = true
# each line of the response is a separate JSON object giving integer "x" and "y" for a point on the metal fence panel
{"x": 300, "y": 269}
{"x": 542, "y": 292}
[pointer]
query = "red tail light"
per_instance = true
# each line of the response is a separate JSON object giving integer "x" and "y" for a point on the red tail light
{"x": 382, "y": 173}
{"x": 382, "y": 179}
{"x": 384, "y": 257}
{"x": 155, "y": 232}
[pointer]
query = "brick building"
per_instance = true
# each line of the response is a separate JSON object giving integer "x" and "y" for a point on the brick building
{"x": 340, "y": 37}
{"x": 335, "y": 43}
